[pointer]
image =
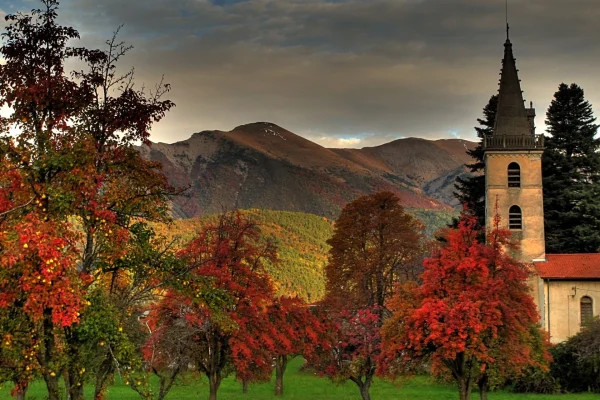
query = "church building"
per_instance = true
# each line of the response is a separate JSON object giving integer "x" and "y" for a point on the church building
{"x": 565, "y": 287}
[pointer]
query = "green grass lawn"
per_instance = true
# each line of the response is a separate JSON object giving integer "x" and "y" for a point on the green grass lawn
{"x": 306, "y": 386}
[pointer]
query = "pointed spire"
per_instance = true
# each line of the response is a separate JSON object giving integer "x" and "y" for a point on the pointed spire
{"x": 511, "y": 117}
{"x": 507, "y": 28}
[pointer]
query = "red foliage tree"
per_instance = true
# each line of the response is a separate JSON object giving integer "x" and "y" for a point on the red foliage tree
{"x": 473, "y": 312}
{"x": 354, "y": 347}
{"x": 40, "y": 288}
{"x": 222, "y": 310}
{"x": 295, "y": 329}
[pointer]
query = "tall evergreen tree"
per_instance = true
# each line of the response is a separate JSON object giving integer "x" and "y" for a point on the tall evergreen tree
{"x": 571, "y": 174}
{"x": 470, "y": 190}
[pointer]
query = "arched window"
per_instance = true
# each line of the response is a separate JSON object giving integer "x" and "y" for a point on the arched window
{"x": 587, "y": 310}
{"x": 515, "y": 219}
{"x": 514, "y": 175}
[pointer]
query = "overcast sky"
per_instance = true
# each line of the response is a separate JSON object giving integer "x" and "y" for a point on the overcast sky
{"x": 343, "y": 73}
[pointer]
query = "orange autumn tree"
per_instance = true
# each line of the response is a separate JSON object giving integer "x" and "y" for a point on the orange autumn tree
{"x": 36, "y": 274}
{"x": 473, "y": 313}
{"x": 70, "y": 172}
{"x": 376, "y": 244}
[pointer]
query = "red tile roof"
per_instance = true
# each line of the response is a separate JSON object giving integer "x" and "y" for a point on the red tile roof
{"x": 570, "y": 266}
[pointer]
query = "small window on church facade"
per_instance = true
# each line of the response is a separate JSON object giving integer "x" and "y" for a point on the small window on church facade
{"x": 515, "y": 219}
{"x": 587, "y": 310}
{"x": 514, "y": 175}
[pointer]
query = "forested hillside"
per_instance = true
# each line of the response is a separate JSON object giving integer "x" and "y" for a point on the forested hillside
{"x": 433, "y": 220}
{"x": 301, "y": 242}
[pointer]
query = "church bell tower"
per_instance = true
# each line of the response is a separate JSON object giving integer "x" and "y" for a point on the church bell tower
{"x": 513, "y": 166}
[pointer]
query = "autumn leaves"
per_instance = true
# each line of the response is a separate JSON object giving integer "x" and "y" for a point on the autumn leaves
{"x": 467, "y": 313}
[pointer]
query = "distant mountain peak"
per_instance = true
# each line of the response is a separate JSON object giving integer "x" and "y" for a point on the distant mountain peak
{"x": 252, "y": 126}
{"x": 203, "y": 133}
{"x": 262, "y": 165}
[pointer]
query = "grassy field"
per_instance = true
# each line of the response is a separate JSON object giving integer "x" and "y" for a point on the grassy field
{"x": 301, "y": 386}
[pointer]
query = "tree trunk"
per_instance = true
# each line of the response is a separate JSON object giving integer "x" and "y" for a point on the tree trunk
{"x": 214, "y": 381}
{"x": 46, "y": 356}
{"x": 67, "y": 383}
{"x": 21, "y": 393}
{"x": 484, "y": 386}
{"x": 280, "y": 366}
{"x": 74, "y": 374}
{"x": 364, "y": 386}
{"x": 245, "y": 387}
{"x": 462, "y": 370}
{"x": 166, "y": 382}
{"x": 104, "y": 372}
{"x": 464, "y": 388}
{"x": 364, "y": 392}
{"x": 75, "y": 386}
{"x": 52, "y": 386}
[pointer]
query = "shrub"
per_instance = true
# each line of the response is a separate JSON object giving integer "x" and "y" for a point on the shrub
{"x": 535, "y": 380}
{"x": 576, "y": 363}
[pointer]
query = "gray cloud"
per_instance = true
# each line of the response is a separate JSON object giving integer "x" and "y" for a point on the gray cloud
{"x": 371, "y": 69}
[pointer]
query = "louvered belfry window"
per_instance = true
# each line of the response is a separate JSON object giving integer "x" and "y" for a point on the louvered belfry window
{"x": 515, "y": 219}
{"x": 514, "y": 175}
{"x": 587, "y": 310}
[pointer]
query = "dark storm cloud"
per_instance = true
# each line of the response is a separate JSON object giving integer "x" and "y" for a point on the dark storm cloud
{"x": 349, "y": 73}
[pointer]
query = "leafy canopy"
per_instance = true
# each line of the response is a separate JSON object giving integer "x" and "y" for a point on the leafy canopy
{"x": 473, "y": 312}
{"x": 375, "y": 244}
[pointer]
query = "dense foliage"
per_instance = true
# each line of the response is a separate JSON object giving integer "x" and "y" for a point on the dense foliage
{"x": 472, "y": 317}
{"x": 576, "y": 364}
{"x": 301, "y": 245}
{"x": 433, "y": 220}
{"x": 237, "y": 326}
{"x": 375, "y": 245}
{"x": 571, "y": 174}
{"x": 301, "y": 241}
{"x": 73, "y": 191}
{"x": 575, "y": 367}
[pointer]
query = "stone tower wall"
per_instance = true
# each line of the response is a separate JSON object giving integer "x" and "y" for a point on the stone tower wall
{"x": 528, "y": 197}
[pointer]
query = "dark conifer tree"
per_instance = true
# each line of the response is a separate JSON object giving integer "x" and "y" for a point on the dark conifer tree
{"x": 470, "y": 190}
{"x": 571, "y": 174}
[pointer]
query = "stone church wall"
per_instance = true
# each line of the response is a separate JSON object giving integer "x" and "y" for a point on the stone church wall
{"x": 563, "y": 316}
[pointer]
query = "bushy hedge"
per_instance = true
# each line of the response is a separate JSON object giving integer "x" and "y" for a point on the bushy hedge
{"x": 576, "y": 363}
{"x": 535, "y": 380}
{"x": 575, "y": 366}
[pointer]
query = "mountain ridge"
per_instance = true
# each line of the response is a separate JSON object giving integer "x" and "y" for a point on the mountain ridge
{"x": 262, "y": 165}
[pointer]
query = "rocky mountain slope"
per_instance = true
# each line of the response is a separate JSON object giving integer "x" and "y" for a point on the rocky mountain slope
{"x": 262, "y": 165}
